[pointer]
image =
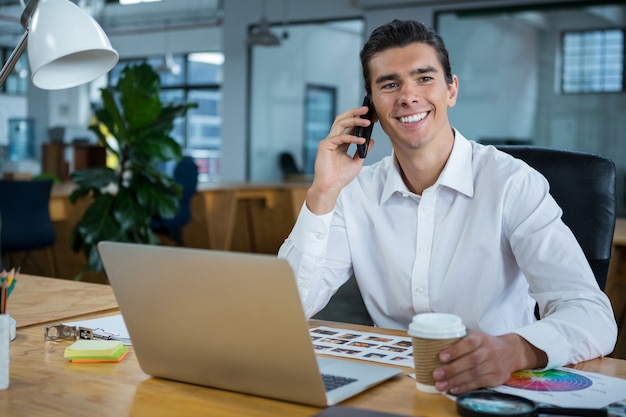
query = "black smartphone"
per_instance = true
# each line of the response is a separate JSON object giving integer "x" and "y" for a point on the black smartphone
{"x": 365, "y": 132}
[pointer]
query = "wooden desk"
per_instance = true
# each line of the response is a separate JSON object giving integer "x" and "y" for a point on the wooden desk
{"x": 250, "y": 217}
{"x": 59, "y": 201}
{"x": 43, "y": 383}
{"x": 38, "y": 300}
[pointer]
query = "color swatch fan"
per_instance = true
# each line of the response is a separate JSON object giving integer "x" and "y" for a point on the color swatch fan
{"x": 550, "y": 380}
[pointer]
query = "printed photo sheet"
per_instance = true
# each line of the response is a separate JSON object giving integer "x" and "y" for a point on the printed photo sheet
{"x": 394, "y": 350}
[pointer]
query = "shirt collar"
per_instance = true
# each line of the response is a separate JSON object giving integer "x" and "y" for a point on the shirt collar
{"x": 457, "y": 173}
{"x": 394, "y": 182}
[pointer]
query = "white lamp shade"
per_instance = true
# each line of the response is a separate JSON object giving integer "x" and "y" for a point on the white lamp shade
{"x": 66, "y": 46}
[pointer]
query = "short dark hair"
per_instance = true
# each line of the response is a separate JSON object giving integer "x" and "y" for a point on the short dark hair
{"x": 400, "y": 33}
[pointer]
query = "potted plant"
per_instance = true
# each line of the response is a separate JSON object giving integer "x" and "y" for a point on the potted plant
{"x": 135, "y": 127}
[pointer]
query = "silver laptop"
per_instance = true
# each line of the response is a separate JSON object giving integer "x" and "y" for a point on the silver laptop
{"x": 226, "y": 320}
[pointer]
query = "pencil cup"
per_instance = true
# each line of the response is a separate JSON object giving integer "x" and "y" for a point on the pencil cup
{"x": 430, "y": 334}
{"x": 12, "y": 328}
{"x": 5, "y": 338}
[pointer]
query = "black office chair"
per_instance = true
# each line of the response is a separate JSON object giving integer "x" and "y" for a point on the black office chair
{"x": 287, "y": 164}
{"x": 185, "y": 174}
{"x": 25, "y": 223}
{"x": 583, "y": 184}
{"x": 346, "y": 306}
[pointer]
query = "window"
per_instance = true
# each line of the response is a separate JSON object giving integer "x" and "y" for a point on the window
{"x": 593, "y": 61}
{"x": 319, "y": 111}
{"x": 194, "y": 78}
{"x": 17, "y": 81}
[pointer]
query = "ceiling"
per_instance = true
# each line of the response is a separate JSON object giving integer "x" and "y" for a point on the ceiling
{"x": 114, "y": 17}
{"x": 165, "y": 13}
{"x": 172, "y": 14}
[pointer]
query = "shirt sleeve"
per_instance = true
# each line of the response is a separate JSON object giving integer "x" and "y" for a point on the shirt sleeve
{"x": 577, "y": 321}
{"x": 317, "y": 277}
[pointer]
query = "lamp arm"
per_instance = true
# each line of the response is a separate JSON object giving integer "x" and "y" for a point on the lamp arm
{"x": 21, "y": 45}
{"x": 13, "y": 58}
{"x": 28, "y": 12}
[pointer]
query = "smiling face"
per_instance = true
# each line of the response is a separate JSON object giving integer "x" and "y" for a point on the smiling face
{"x": 411, "y": 96}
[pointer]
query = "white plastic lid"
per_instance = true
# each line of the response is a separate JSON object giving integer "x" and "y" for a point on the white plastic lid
{"x": 436, "y": 326}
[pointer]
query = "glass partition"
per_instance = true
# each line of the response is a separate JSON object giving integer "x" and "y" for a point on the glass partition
{"x": 511, "y": 67}
{"x": 312, "y": 54}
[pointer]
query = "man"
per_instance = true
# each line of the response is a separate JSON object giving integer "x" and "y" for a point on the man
{"x": 445, "y": 224}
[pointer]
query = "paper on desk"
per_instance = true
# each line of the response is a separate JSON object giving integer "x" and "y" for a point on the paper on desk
{"x": 375, "y": 347}
{"x": 565, "y": 387}
{"x": 110, "y": 327}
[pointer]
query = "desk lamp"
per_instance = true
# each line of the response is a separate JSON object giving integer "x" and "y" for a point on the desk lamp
{"x": 66, "y": 46}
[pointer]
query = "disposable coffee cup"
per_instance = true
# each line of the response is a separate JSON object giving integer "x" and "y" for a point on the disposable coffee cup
{"x": 430, "y": 334}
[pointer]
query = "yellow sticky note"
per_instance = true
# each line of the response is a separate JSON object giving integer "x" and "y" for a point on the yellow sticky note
{"x": 93, "y": 349}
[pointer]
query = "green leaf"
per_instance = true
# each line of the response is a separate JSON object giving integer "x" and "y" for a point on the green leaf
{"x": 94, "y": 261}
{"x": 94, "y": 178}
{"x": 127, "y": 211}
{"x": 111, "y": 117}
{"x": 159, "y": 198}
{"x": 160, "y": 148}
{"x": 97, "y": 222}
{"x": 79, "y": 193}
{"x": 139, "y": 87}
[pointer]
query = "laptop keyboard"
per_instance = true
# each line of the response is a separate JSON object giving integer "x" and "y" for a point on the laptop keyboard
{"x": 333, "y": 381}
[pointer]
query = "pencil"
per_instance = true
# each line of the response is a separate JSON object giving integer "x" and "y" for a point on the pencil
{"x": 11, "y": 286}
{"x": 12, "y": 279}
{"x": 11, "y": 274}
{"x": 4, "y": 295}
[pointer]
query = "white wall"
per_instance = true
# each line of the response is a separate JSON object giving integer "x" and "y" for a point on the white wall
{"x": 10, "y": 107}
{"x": 131, "y": 44}
{"x": 496, "y": 62}
{"x": 277, "y": 122}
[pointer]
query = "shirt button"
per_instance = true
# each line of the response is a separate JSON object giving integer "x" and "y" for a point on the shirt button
{"x": 419, "y": 290}
{"x": 423, "y": 250}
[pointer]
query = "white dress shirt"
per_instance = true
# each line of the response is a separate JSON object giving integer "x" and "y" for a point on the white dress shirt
{"x": 484, "y": 242}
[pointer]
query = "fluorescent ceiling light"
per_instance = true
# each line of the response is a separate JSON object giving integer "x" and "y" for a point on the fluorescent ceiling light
{"x": 216, "y": 58}
{"x": 125, "y": 2}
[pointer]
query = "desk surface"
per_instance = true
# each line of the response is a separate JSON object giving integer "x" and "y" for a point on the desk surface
{"x": 37, "y": 300}
{"x": 43, "y": 383}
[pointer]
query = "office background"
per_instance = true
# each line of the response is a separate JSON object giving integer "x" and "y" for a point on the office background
{"x": 506, "y": 54}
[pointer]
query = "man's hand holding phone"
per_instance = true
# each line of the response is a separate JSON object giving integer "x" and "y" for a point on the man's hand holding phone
{"x": 334, "y": 167}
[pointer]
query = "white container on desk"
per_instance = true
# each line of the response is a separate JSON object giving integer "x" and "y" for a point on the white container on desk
{"x": 6, "y": 323}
